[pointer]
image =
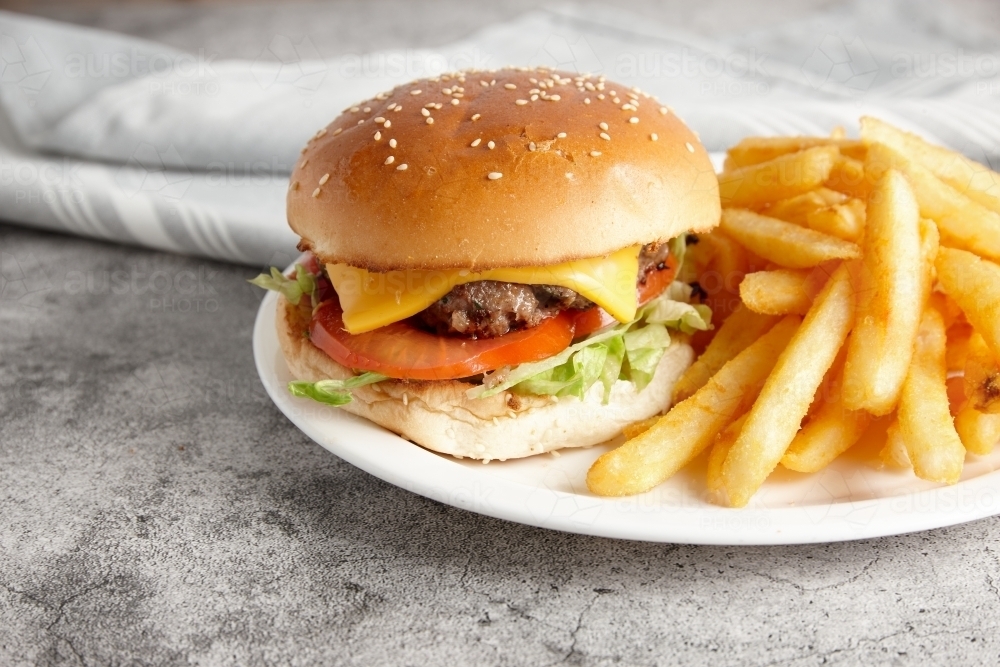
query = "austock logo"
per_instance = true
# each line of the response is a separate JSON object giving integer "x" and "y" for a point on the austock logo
{"x": 836, "y": 65}
{"x": 285, "y": 62}
{"x": 559, "y": 53}
{"x": 151, "y": 171}
{"x": 23, "y": 66}
{"x": 22, "y": 280}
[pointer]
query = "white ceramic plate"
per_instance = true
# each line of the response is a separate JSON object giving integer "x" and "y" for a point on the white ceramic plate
{"x": 851, "y": 499}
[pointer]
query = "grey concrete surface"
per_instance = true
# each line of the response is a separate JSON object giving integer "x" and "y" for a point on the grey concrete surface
{"x": 156, "y": 509}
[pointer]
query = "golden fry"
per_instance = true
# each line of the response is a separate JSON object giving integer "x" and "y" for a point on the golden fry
{"x": 783, "y": 402}
{"x": 831, "y": 430}
{"x": 979, "y": 432}
{"x": 754, "y": 150}
{"x": 925, "y": 423}
{"x": 784, "y": 243}
{"x": 894, "y": 454}
{"x": 982, "y": 376}
{"x": 963, "y": 223}
{"x": 889, "y": 287}
{"x": 785, "y": 176}
{"x": 848, "y": 176}
{"x": 638, "y": 428}
{"x": 974, "y": 180}
{"x": 783, "y": 291}
{"x": 720, "y": 450}
{"x": 735, "y": 335}
{"x": 974, "y": 284}
{"x": 690, "y": 426}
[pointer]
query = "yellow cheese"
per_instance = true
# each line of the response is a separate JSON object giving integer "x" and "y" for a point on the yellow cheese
{"x": 373, "y": 300}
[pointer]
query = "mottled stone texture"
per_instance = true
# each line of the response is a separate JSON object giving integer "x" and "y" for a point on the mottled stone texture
{"x": 155, "y": 508}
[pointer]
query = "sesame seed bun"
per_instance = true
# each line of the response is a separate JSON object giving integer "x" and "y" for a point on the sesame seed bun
{"x": 580, "y": 167}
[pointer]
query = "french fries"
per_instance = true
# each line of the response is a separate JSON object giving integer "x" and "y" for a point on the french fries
{"x": 755, "y": 150}
{"x": 963, "y": 223}
{"x": 890, "y": 298}
{"x": 982, "y": 376}
{"x": 823, "y": 210}
{"x": 775, "y": 417}
{"x": 785, "y": 176}
{"x": 784, "y": 243}
{"x": 691, "y": 425}
{"x": 974, "y": 284}
{"x": 783, "y": 291}
{"x": 979, "y": 432}
{"x": 829, "y": 432}
{"x": 976, "y": 181}
{"x": 735, "y": 335}
{"x": 925, "y": 423}
{"x": 890, "y": 250}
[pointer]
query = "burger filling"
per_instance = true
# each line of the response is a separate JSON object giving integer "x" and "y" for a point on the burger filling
{"x": 490, "y": 308}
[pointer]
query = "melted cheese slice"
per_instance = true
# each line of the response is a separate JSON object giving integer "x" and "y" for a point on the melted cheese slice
{"x": 373, "y": 300}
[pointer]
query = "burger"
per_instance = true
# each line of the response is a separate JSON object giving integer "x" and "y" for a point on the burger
{"x": 491, "y": 258}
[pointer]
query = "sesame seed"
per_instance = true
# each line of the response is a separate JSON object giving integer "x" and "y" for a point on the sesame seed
{"x": 401, "y": 167}
{"x": 392, "y": 143}
{"x": 294, "y": 186}
{"x": 367, "y": 109}
{"x": 616, "y": 100}
{"x": 653, "y": 136}
{"x": 425, "y": 113}
{"x": 561, "y": 135}
{"x": 663, "y": 110}
{"x": 399, "y": 108}
{"x": 605, "y": 136}
{"x": 326, "y": 177}
{"x": 338, "y": 131}
{"x": 388, "y": 123}
{"x": 687, "y": 144}
{"x": 614, "y": 92}
{"x": 321, "y": 133}
{"x": 603, "y": 126}
{"x": 355, "y": 109}
{"x": 493, "y": 82}
{"x": 531, "y": 145}
{"x": 534, "y": 98}
{"x": 378, "y": 135}
{"x": 521, "y": 103}
{"x": 569, "y": 175}
{"x": 476, "y": 116}
{"x": 534, "y": 91}
{"x": 595, "y": 153}
{"x": 586, "y": 100}
{"x": 633, "y": 120}
{"x": 589, "y": 86}
{"x": 361, "y": 122}
{"x": 415, "y": 92}
{"x": 379, "y": 119}
{"x": 475, "y": 143}
{"x": 484, "y": 84}
{"x": 494, "y": 175}
{"x": 600, "y": 96}
{"x": 315, "y": 193}
{"x": 430, "y": 121}
{"x": 446, "y": 91}
{"x": 629, "y": 107}
{"x": 389, "y": 160}
{"x": 554, "y": 98}
{"x": 454, "y": 102}
{"x": 392, "y": 106}
{"x": 509, "y": 86}
{"x": 491, "y": 145}
{"x": 438, "y": 106}
{"x": 304, "y": 163}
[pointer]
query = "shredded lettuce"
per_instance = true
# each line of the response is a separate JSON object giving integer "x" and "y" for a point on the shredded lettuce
{"x": 291, "y": 288}
{"x": 629, "y": 351}
{"x": 333, "y": 392}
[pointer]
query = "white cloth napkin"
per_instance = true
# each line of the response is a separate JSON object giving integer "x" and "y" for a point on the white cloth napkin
{"x": 113, "y": 137}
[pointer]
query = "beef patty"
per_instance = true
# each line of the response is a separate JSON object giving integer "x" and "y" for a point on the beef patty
{"x": 490, "y": 308}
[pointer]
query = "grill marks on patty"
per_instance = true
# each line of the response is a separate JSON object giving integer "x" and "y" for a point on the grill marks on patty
{"x": 490, "y": 308}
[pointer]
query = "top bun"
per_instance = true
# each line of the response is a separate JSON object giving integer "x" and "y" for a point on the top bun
{"x": 579, "y": 167}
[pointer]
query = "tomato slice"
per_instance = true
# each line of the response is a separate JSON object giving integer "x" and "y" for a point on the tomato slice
{"x": 401, "y": 350}
{"x": 590, "y": 320}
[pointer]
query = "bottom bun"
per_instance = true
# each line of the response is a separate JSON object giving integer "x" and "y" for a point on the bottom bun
{"x": 439, "y": 416}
